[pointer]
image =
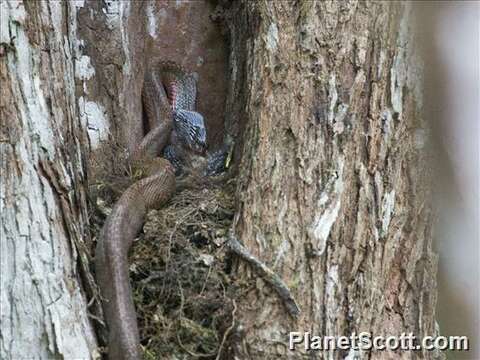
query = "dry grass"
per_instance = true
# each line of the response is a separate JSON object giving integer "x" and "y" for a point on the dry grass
{"x": 180, "y": 287}
{"x": 182, "y": 293}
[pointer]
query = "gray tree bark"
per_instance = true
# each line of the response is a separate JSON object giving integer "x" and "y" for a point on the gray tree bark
{"x": 44, "y": 217}
{"x": 333, "y": 178}
{"x": 325, "y": 101}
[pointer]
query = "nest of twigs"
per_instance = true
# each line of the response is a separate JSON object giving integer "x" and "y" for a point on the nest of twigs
{"x": 182, "y": 293}
{"x": 181, "y": 290}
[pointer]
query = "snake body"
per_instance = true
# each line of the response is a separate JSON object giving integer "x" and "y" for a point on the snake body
{"x": 169, "y": 100}
{"x": 178, "y": 133}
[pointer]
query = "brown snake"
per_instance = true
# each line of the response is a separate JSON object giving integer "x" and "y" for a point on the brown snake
{"x": 169, "y": 97}
{"x": 127, "y": 216}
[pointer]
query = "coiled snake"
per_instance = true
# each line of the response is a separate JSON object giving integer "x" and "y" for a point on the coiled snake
{"x": 178, "y": 131}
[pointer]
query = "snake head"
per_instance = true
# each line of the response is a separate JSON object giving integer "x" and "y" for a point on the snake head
{"x": 190, "y": 129}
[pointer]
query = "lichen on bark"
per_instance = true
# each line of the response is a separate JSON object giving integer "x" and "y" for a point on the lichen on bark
{"x": 323, "y": 100}
{"x": 333, "y": 179}
{"x": 43, "y": 198}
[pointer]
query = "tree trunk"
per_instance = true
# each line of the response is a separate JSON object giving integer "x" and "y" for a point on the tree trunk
{"x": 332, "y": 180}
{"x": 324, "y": 102}
{"x": 44, "y": 230}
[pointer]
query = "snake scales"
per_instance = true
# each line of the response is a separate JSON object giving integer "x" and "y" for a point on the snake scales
{"x": 177, "y": 132}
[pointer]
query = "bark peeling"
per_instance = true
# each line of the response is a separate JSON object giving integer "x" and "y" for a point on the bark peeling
{"x": 44, "y": 218}
{"x": 323, "y": 101}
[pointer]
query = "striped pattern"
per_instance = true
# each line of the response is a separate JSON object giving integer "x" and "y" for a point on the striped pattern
{"x": 190, "y": 129}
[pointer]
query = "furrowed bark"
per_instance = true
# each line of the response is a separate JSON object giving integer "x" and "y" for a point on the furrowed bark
{"x": 44, "y": 232}
{"x": 333, "y": 177}
{"x": 324, "y": 103}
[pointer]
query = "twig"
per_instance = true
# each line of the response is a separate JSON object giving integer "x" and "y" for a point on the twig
{"x": 265, "y": 273}
{"x": 227, "y": 332}
{"x": 190, "y": 352}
